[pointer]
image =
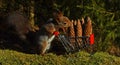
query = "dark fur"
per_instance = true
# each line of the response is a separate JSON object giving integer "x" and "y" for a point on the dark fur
{"x": 13, "y": 28}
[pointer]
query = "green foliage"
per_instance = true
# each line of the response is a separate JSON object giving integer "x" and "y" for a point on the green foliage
{"x": 9, "y": 57}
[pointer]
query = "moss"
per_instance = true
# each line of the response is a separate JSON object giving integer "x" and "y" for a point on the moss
{"x": 9, "y": 57}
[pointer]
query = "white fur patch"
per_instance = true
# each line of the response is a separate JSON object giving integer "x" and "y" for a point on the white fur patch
{"x": 48, "y": 40}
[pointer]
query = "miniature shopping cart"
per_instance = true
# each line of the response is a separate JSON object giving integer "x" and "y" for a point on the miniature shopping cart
{"x": 85, "y": 42}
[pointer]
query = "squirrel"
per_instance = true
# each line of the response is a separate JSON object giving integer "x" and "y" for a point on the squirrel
{"x": 45, "y": 36}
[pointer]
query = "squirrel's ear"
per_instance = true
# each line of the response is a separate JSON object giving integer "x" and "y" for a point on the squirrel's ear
{"x": 57, "y": 13}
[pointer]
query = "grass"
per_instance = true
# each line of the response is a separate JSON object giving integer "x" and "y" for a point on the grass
{"x": 10, "y": 57}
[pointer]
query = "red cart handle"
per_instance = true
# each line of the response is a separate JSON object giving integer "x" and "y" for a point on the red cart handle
{"x": 56, "y": 33}
{"x": 91, "y": 39}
